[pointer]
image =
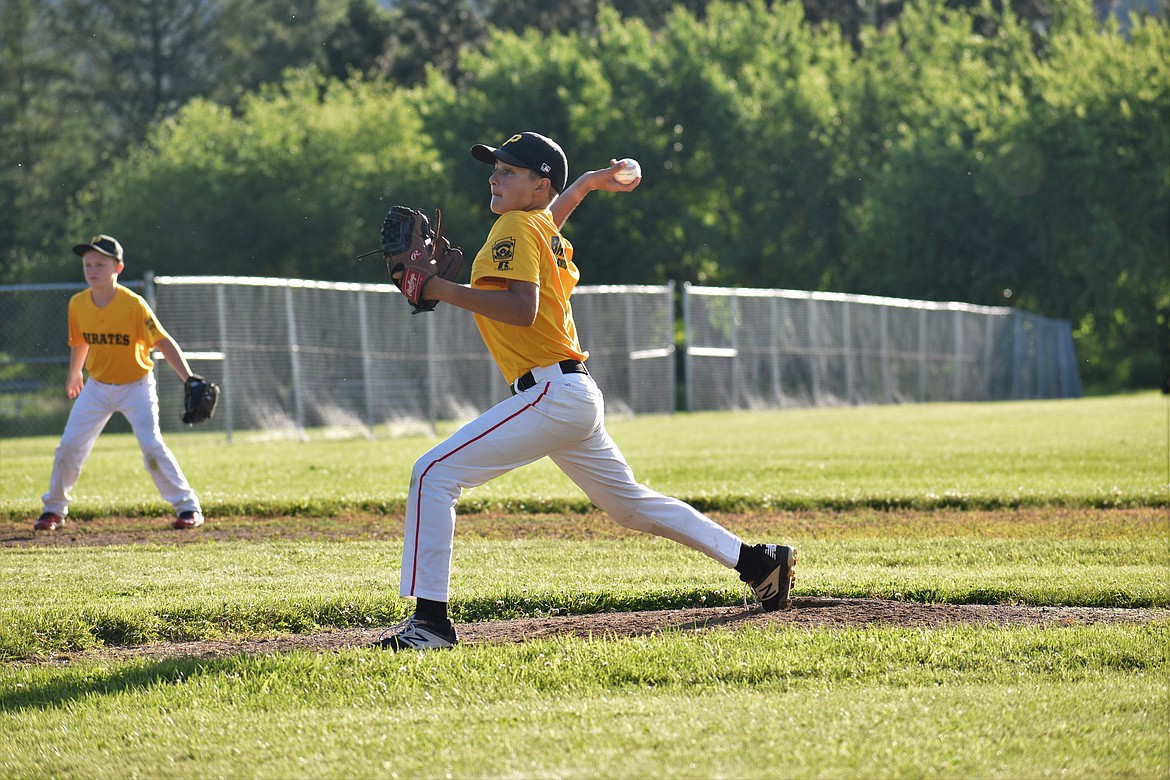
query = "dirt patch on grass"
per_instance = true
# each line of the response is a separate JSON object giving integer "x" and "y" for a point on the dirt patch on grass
{"x": 806, "y": 613}
{"x": 1027, "y": 523}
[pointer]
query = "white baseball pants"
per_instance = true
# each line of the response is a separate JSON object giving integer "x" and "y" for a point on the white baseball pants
{"x": 95, "y": 405}
{"x": 561, "y": 417}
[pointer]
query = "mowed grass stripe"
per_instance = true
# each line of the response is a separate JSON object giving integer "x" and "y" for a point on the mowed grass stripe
{"x": 953, "y": 702}
{"x": 130, "y": 594}
{"x": 1093, "y": 452}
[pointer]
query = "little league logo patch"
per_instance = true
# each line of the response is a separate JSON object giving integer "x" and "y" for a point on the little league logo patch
{"x": 502, "y": 253}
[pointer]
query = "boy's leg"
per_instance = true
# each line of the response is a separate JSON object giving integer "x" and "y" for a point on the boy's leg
{"x": 139, "y": 403}
{"x": 91, "y": 411}
{"x": 515, "y": 432}
{"x": 598, "y": 467}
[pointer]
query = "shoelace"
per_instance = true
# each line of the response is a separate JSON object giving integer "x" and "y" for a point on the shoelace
{"x": 396, "y": 629}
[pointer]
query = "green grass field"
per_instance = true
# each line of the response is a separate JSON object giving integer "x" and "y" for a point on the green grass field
{"x": 1054, "y": 504}
{"x": 1092, "y": 452}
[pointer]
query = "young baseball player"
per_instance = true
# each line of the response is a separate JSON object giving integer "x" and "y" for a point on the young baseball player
{"x": 521, "y": 282}
{"x": 112, "y": 332}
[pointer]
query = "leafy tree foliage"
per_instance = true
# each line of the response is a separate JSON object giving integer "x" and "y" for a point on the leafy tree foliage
{"x": 294, "y": 184}
{"x": 48, "y": 143}
{"x": 256, "y": 41}
{"x": 954, "y": 153}
{"x": 1086, "y": 176}
{"x": 430, "y": 33}
{"x": 579, "y": 16}
{"x": 358, "y": 42}
{"x": 137, "y": 59}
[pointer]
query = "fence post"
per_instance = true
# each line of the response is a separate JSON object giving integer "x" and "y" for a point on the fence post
{"x": 1017, "y": 354}
{"x": 736, "y": 368}
{"x": 672, "y": 361}
{"x": 847, "y": 350}
{"x": 884, "y": 351}
{"x": 628, "y": 315}
{"x": 294, "y": 357}
{"x": 814, "y": 351}
{"x": 225, "y": 370}
{"x": 432, "y": 405}
{"x": 148, "y": 290}
{"x": 688, "y": 386}
{"x": 921, "y": 355}
{"x": 1066, "y": 362}
{"x": 367, "y": 378}
{"x": 774, "y": 343}
{"x": 988, "y": 336}
{"x": 956, "y": 380}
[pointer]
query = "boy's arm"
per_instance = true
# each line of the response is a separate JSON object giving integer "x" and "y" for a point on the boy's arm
{"x": 75, "y": 381}
{"x": 516, "y": 304}
{"x": 175, "y": 357}
{"x": 601, "y": 179}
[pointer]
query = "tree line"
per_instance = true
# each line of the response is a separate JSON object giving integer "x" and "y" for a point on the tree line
{"x": 993, "y": 155}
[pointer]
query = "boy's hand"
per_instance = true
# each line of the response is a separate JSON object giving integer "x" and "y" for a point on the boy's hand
{"x": 613, "y": 178}
{"x": 73, "y": 385}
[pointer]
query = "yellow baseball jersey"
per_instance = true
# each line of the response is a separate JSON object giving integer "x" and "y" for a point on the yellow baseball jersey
{"x": 526, "y": 246}
{"x": 120, "y": 335}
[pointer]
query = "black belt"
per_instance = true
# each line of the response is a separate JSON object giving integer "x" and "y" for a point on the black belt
{"x": 528, "y": 381}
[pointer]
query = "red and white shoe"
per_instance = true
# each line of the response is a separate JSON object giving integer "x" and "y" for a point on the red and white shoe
{"x": 48, "y": 521}
{"x": 189, "y": 519}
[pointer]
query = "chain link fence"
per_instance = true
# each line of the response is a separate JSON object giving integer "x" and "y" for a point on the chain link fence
{"x": 763, "y": 349}
{"x": 301, "y": 358}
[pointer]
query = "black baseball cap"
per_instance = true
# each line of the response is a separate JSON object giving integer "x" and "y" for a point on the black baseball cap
{"x": 107, "y": 245}
{"x": 529, "y": 150}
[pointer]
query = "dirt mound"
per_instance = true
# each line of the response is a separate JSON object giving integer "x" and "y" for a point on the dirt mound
{"x": 805, "y": 613}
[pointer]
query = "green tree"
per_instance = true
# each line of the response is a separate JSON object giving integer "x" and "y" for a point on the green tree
{"x": 48, "y": 143}
{"x": 358, "y": 42}
{"x": 933, "y": 95}
{"x": 1087, "y": 171}
{"x": 430, "y": 33}
{"x": 137, "y": 60}
{"x": 580, "y": 16}
{"x": 294, "y": 184}
{"x": 256, "y": 41}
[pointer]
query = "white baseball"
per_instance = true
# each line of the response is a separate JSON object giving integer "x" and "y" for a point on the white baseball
{"x": 630, "y": 171}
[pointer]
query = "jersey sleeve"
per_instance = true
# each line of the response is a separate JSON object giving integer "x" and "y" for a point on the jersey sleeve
{"x": 512, "y": 251}
{"x": 75, "y": 336}
{"x": 152, "y": 330}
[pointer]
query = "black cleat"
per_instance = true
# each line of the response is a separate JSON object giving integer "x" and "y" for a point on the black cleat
{"x": 774, "y": 588}
{"x": 415, "y": 633}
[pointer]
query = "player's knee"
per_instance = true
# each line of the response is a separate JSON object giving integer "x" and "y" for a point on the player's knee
{"x": 69, "y": 458}
{"x": 433, "y": 478}
{"x": 154, "y": 453}
{"x": 631, "y": 520}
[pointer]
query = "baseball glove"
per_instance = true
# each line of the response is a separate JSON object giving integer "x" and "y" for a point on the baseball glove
{"x": 199, "y": 399}
{"x": 414, "y": 253}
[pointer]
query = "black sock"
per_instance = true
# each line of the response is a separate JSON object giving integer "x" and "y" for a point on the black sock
{"x": 432, "y": 611}
{"x": 750, "y": 562}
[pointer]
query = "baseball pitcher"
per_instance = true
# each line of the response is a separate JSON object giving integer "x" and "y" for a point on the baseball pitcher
{"x": 522, "y": 280}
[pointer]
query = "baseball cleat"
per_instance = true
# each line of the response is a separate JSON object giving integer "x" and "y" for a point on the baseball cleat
{"x": 48, "y": 522}
{"x": 189, "y": 519}
{"x": 774, "y": 588}
{"x": 415, "y": 633}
